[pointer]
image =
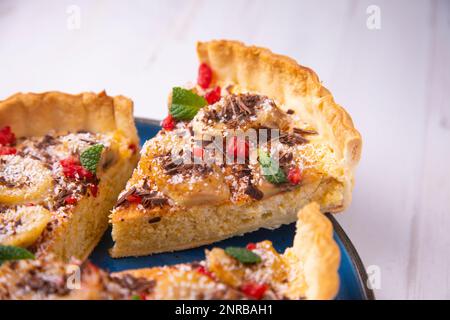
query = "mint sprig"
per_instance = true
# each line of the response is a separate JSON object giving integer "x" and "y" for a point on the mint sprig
{"x": 185, "y": 104}
{"x": 14, "y": 253}
{"x": 243, "y": 255}
{"x": 271, "y": 171}
{"x": 89, "y": 158}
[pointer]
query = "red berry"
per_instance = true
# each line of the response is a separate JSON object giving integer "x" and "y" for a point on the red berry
{"x": 205, "y": 272}
{"x": 238, "y": 148}
{"x": 7, "y": 137}
{"x": 74, "y": 170}
{"x": 84, "y": 173}
{"x": 295, "y": 176}
{"x": 70, "y": 200}
{"x": 90, "y": 267}
{"x": 198, "y": 152}
{"x": 212, "y": 96}
{"x": 133, "y": 147}
{"x": 168, "y": 123}
{"x": 251, "y": 246}
{"x": 94, "y": 189}
{"x": 133, "y": 198}
{"x": 143, "y": 296}
{"x": 254, "y": 290}
{"x": 4, "y": 151}
{"x": 204, "y": 76}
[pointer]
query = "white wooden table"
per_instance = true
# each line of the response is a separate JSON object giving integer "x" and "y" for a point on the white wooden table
{"x": 394, "y": 80}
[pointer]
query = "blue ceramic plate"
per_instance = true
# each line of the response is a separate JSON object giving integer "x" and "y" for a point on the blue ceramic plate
{"x": 352, "y": 272}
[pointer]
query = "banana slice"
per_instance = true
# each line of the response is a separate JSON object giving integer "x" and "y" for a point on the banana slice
{"x": 228, "y": 270}
{"x": 187, "y": 183}
{"x": 23, "y": 180}
{"x": 22, "y": 226}
{"x": 227, "y": 115}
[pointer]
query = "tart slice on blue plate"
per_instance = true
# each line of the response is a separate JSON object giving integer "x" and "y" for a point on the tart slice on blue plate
{"x": 63, "y": 161}
{"x": 256, "y": 139}
{"x": 307, "y": 270}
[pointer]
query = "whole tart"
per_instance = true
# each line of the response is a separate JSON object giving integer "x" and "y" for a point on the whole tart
{"x": 267, "y": 109}
{"x": 307, "y": 270}
{"x": 63, "y": 161}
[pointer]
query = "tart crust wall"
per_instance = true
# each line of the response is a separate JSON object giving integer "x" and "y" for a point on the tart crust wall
{"x": 35, "y": 114}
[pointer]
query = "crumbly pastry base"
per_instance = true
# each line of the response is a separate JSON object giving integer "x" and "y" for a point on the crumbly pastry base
{"x": 31, "y": 114}
{"x": 292, "y": 86}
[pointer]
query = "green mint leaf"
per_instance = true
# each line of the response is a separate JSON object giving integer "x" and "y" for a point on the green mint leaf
{"x": 185, "y": 104}
{"x": 135, "y": 297}
{"x": 89, "y": 158}
{"x": 14, "y": 253}
{"x": 243, "y": 255}
{"x": 271, "y": 172}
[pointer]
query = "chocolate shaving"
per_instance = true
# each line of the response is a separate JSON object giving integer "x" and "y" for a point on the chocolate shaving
{"x": 123, "y": 198}
{"x": 149, "y": 199}
{"x": 286, "y": 158}
{"x": 254, "y": 192}
{"x": 290, "y": 111}
{"x": 140, "y": 285}
{"x": 242, "y": 106}
{"x": 292, "y": 139}
{"x": 60, "y": 198}
{"x": 235, "y": 109}
{"x": 154, "y": 220}
{"x": 47, "y": 141}
{"x": 6, "y": 183}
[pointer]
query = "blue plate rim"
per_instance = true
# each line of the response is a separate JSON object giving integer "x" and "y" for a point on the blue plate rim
{"x": 346, "y": 242}
{"x": 354, "y": 258}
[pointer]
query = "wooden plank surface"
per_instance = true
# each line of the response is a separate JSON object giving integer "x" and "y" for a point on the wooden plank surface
{"x": 394, "y": 81}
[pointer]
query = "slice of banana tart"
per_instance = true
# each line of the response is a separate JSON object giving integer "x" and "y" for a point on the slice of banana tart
{"x": 63, "y": 161}
{"x": 255, "y": 139}
{"x": 307, "y": 270}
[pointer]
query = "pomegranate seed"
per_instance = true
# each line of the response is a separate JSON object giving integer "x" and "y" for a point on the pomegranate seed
{"x": 94, "y": 190}
{"x": 251, "y": 246}
{"x": 143, "y": 296}
{"x": 205, "y": 272}
{"x": 254, "y": 290}
{"x": 7, "y": 137}
{"x": 133, "y": 147}
{"x": 204, "y": 76}
{"x": 198, "y": 152}
{"x": 133, "y": 198}
{"x": 70, "y": 200}
{"x": 213, "y": 95}
{"x": 90, "y": 267}
{"x": 72, "y": 169}
{"x": 4, "y": 151}
{"x": 238, "y": 148}
{"x": 168, "y": 123}
{"x": 295, "y": 176}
